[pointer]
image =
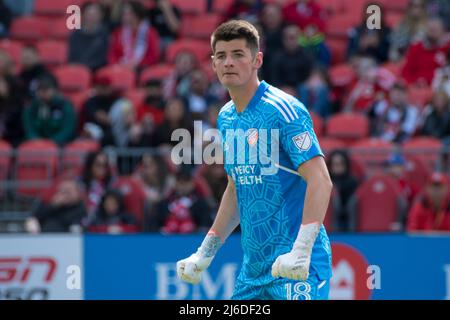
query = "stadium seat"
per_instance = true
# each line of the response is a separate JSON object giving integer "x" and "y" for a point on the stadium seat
{"x": 5, "y": 164}
{"x": 417, "y": 171}
{"x": 221, "y": 6}
{"x": 378, "y": 205}
{"x": 121, "y": 77}
{"x": 159, "y": 71}
{"x": 427, "y": 149}
{"x": 134, "y": 196}
{"x": 73, "y": 156}
{"x": 190, "y": 7}
{"x": 57, "y": 29}
{"x": 338, "y": 26}
{"x": 371, "y": 153}
{"x": 73, "y": 77}
{"x": 328, "y": 144}
{"x": 29, "y": 29}
{"x": 52, "y": 52}
{"x": 36, "y": 166}
{"x": 14, "y": 49}
{"x": 201, "y": 49}
{"x": 318, "y": 123}
{"x": 201, "y": 26}
{"x": 341, "y": 75}
{"x": 78, "y": 99}
{"x": 348, "y": 126}
{"x": 53, "y": 8}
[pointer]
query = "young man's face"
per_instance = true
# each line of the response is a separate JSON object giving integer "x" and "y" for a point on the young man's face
{"x": 234, "y": 63}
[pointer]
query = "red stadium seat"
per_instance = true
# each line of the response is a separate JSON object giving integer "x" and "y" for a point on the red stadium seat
{"x": 318, "y": 124}
{"x": 425, "y": 148}
{"x": 338, "y": 26}
{"x": 221, "y": 6}
{"x": 78, "y": 99}
{"x": 52, "y": 52}
{"x": 52, "y": 7}
{"x": 14, "y": 49}
{"x": 348, "y": 126}
{"x": 201, "y": 49}
{"x": 328, "y": 144}
{"x": 57, "y": 29}
{"x": 417, "y": 171}
{"x": 134, "y": 196}
{"x": 29, "y": 28}
{"x": 73, "y": 77}
{"x": 36, "y": 166}
{"x": 5, "y": 164}
{"x": 159, "y": 71}
{"x": 190, "y": 7}
{"x": 378, "y": 205}
{"x": 200, "y": 26}
{"x": 73, "y": 156}
{"x": 121, "y": 77}
{"x": 341, "y": 75}
{"x": 371, "y": 153}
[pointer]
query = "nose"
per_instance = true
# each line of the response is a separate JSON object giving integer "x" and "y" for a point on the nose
{"x": 228, "y": 61}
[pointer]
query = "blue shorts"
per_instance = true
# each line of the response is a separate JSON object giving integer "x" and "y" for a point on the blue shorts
{"x": 284, "y": 289}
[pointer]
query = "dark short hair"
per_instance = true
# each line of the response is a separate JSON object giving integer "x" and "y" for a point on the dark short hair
{"x": 236, "y": 29}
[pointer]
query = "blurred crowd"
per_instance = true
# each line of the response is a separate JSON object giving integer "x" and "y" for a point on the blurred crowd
{"x": 396, "y": 77}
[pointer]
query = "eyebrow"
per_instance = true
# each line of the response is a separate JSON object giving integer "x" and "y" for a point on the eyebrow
{"x": 233, "y": 51}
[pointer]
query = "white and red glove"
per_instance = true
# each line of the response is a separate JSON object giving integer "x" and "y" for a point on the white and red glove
{"x": 191, "y": 268}
{"x": 295, "y": 264}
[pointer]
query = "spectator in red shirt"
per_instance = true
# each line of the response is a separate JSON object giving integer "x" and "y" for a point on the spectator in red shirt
{"x": 135, "y": 43}
{"x": 431, "y": 210}
{"x": 423, "y": 58}
{"x": 304, "y": 13}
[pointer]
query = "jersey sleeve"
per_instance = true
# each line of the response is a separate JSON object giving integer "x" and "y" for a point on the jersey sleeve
{"x": 298, "y": 138}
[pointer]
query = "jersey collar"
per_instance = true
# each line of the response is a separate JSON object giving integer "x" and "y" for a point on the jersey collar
{"x": 256, "y": 97}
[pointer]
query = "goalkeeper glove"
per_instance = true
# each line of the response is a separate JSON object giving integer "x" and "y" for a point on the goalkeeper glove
{"x": 295, "y": 264}
{"x": 191, "y": 268}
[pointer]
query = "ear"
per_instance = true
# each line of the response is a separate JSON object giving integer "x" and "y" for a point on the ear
{"x": 258, "y": 61}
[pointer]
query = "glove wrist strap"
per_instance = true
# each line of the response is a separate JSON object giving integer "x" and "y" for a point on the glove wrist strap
{"x": 307, "y": 235}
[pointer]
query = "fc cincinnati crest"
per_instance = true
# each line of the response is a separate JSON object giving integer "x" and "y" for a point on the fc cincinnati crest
{"x": 252, "y": 137}
{"x": 302, "y": 141}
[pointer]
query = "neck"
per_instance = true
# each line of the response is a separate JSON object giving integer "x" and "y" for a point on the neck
{"x": 241, "y": 96}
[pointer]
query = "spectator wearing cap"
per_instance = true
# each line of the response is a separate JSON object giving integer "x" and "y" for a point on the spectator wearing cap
{"x": 89, "y": 45}
{"x": 135, "y": 43}
{"x": 394, "y": 119}
{"x": 431, "y": 209}
{"x": 32, "y": 69}
{"x": 184, "y": 210}
{"x": 395, "y": 167}
{"x": 50, "y": 115}
{"x": 424, "y": 57}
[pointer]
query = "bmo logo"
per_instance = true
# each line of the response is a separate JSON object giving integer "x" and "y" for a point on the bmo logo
{"x": 26, "y": 277}
{"x": 350, "y": 274}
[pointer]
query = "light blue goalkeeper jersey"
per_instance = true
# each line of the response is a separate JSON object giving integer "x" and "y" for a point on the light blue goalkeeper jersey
{"x": 263, "y": 147}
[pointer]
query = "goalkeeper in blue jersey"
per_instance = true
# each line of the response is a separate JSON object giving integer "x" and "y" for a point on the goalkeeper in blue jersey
{"x": 278, "y": 184}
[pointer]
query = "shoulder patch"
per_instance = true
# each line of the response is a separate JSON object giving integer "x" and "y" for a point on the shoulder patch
{"x": 302, "y": 141}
